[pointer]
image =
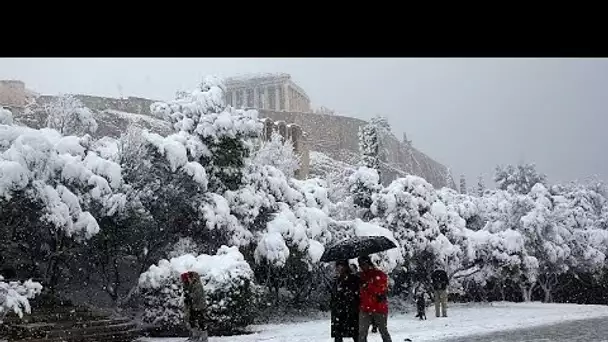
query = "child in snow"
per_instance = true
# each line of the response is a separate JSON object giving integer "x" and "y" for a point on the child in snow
{"x": 420, "y": 296}
{"x": 195, "y": 306}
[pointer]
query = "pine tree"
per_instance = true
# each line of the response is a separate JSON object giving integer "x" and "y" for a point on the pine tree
{"x": 369, "y": 146}
{"x": 463, "y": 185}
{"x": 449, "y": 180}
{"x": 481, "y": 186}
{"x": 381, "y": 122}
{"x": 406, "y": 141}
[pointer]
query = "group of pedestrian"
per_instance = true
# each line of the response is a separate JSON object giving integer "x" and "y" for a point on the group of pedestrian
{"x": 361, "y": 300}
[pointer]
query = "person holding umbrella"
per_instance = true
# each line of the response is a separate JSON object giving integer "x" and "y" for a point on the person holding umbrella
{"x": 345, "y": 303}
{"x": 373, "y": 288}
{"x": 373, "y": 306}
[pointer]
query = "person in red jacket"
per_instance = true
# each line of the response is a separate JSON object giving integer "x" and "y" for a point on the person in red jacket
{"x": 373, "y": 307}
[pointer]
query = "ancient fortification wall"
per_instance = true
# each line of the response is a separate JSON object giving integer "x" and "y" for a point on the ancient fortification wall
{"x": 334, "y": 135}
{"x": 337, "y": 136}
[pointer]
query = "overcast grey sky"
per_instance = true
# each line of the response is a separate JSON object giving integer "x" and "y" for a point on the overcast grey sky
{"x": 470, "y": 114}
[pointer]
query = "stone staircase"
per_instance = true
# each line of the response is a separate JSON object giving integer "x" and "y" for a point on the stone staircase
{"x": 67, "y": 323}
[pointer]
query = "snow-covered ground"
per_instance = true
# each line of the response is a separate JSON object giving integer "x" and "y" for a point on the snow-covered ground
{"x": 464, "y": 320}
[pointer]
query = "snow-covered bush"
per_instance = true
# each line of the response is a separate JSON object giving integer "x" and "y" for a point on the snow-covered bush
{"x": 411, "y": 209}
{"x": 232, "y": 295}
{"x": 6, "y": 117}
{"x": 278, "y": 152}
{"x": 69, "y": 116}
{"x": 14, "y": 296}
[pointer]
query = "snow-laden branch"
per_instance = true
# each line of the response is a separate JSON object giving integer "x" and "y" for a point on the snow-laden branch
{"x": 14, "y": 296}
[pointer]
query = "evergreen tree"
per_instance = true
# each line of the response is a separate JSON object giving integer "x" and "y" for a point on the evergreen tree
{"x": 381, "y": 122}
{"x": 463, "y": 185}
{"x": 449, "y": 180}
{"x": 369, "y": 146}
{"x": 521, "y": 178}
{"x": 481, "y": 186}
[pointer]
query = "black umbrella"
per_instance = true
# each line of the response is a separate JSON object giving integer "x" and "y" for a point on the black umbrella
{"x": 356, "y": 247}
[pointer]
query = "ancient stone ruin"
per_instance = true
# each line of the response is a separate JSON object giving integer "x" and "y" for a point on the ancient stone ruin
{"x": 276, "y": 97}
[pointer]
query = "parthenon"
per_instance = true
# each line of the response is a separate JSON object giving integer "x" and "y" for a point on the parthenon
{"x": 267, "y": 91}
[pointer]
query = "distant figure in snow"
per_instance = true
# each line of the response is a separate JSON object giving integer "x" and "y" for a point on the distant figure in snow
{"x": 345, "y": 303}
{"x": 195, "y": 307}
{"x": 374, "y": 300}
{"x": 420, "y": 296}
{"x": 440, "y": 282}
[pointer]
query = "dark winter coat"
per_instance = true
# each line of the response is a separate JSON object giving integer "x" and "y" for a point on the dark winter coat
{"x": 345, "y": 307}
{"x": 440, "y": 280}
{"x": 195, "y": 303}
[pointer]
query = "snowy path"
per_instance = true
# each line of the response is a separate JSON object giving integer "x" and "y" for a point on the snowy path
{"x": 589, "y": 330}
{"x": 463, "y": 321}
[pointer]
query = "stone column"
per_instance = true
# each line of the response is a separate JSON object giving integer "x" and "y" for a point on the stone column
{"x": 245, "y": 100}
{"x": 265, "y": 99}
{"x": 256, "y": 103}
{"x": 277, "y": 99}
{"x": 287, "y": 94}
{"x": 233, "y": 104}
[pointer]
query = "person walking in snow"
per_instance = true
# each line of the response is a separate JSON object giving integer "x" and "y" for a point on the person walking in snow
{"x": 440, "y": 281}
{"x": 345, "y": 303}
{"x": 373, "y": 300}
{"x": 355, "y": 270}
{"x": 195, "y": 306}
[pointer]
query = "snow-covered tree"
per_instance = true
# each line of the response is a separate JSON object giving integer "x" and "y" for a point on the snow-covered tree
{"x": 49, "y": 184}
{"x": 369, "y": 146}
{"x": 279, "y": 153}
{"x": 363, "y": 185}
{"x": 382, "y": 123}
{"x": 463, "y": 185}
{"x": 449, "y": 179}
{"x": 69, "y": 116}
{"x": 325, "y": 111}
{"x": 209, "y": 133}
{"x": 465, "y": 205}
{"x": 481, "y": 186}
{"x": 281, "y": 224}
{"x": 6, "y": 117}
{"x": 410, "y": 208}
{"x": 520, "y": 178}
{"x": 14, "y": 296}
